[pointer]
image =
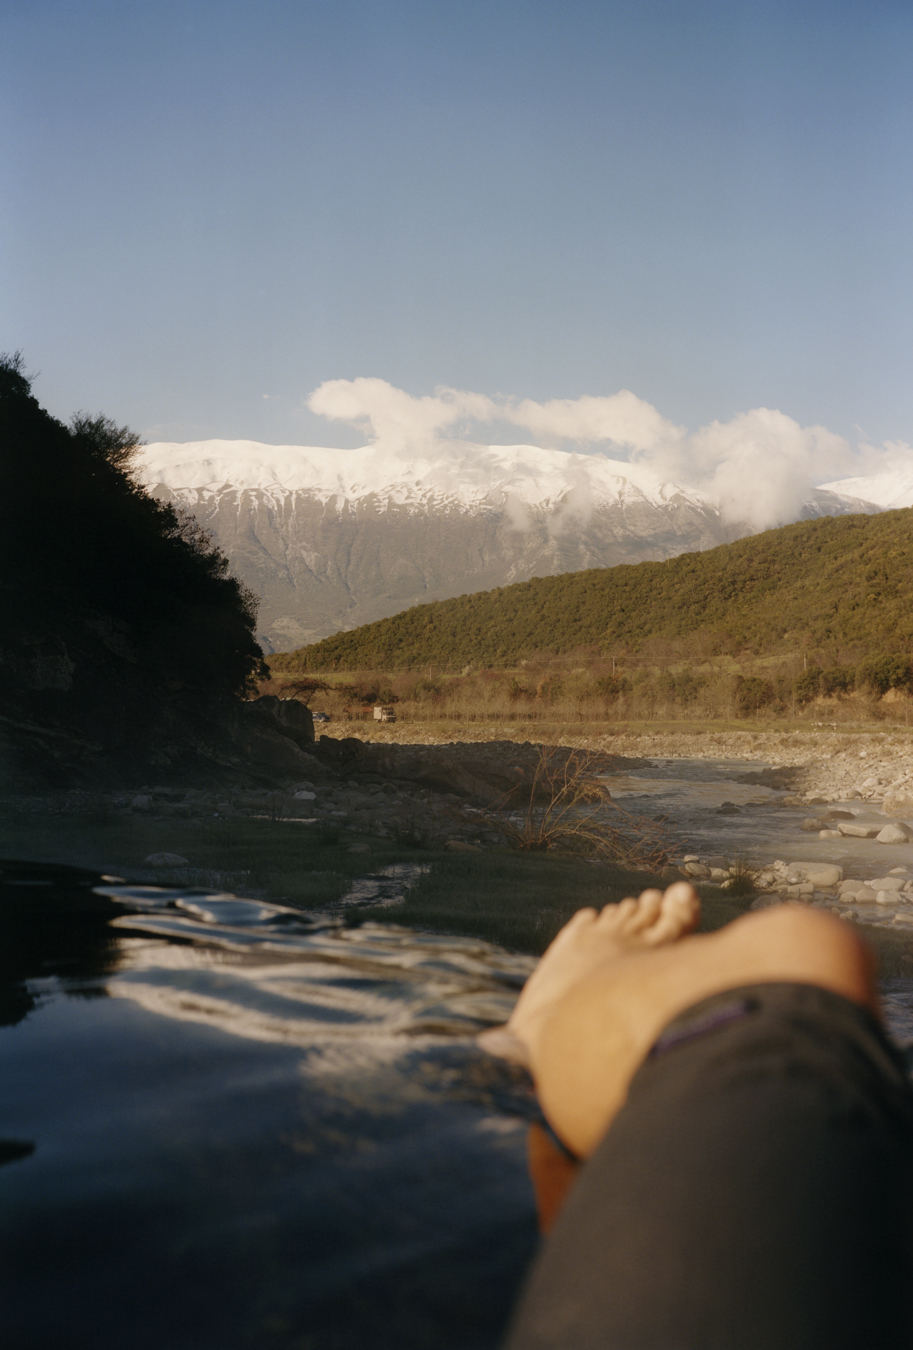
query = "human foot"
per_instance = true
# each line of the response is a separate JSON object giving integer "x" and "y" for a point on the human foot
{"x": 592, "y": 939}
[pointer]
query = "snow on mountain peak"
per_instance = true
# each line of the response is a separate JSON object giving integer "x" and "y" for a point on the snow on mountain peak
{"x": 891, "y": 489}
{"x": 452, "y": 471}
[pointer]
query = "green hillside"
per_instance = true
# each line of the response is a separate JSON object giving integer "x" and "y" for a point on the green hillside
{"x": 836, "y": 584}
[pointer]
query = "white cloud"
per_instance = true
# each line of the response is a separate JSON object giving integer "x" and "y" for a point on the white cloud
{"x": 621, "y": 419}
{"x": 392, "y": 416}
{"x": 891, "y": 457}
{"x": 759, "y": 467}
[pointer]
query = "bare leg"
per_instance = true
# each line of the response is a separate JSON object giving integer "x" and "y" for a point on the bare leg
{"x": 611, "y": 981}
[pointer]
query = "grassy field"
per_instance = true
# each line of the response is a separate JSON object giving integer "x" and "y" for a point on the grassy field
{"x": 582, "y": 730}
{"x": 756, "y": 692}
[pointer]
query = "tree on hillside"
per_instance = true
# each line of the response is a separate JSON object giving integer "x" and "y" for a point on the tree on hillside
{"x": 79, "y": 535}
{"x": 102, "y": 436}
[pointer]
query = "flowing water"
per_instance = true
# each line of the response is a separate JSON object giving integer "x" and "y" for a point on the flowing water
{"x": 691, "y": 791}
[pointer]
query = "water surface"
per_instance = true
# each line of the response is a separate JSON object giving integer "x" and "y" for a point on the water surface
{"x": 227, "y": 1126}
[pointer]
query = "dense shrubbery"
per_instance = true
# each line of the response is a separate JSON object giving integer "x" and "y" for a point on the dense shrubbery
{"x": 82, "y": 542}
{"x": 555, "y": 691}
{"x": 881, "y": 673}
{"x": 839, "y": 588}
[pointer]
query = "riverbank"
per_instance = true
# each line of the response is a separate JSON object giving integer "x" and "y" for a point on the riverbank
{"x": 868, "y": 763}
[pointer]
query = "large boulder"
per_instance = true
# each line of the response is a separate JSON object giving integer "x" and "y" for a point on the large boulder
{"x": 286, "y": 715}
{"x": 857, "y": 831}
{"x": 895, "y": 833}
{"x": 273, "y": 734}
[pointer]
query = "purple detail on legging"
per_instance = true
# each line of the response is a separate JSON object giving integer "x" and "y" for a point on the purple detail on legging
{"x": 681, "y": 1030}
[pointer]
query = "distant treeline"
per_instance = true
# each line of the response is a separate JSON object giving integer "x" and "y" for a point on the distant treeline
{"x": 839, "y": 590}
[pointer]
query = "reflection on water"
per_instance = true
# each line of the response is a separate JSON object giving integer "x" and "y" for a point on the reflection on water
{"x": 264, "y": 1130}
{"x": 274, "y": 979}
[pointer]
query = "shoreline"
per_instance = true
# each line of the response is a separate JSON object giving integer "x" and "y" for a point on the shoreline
{"x": 872, "y": 765}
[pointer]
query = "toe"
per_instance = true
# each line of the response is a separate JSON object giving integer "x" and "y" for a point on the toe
{"x": 648, "y": 910}
{"x": 679, "y": 913}
{"x": 617, "y": 916}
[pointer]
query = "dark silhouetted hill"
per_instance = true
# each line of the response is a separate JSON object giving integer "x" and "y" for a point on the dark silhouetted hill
{"x": 125, "y": 644}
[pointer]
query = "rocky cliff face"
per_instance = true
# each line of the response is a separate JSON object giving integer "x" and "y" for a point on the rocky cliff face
{"x": 331, "y": 540}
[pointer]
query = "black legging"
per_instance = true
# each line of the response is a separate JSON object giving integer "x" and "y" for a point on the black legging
{"x": 755, "y": 1192}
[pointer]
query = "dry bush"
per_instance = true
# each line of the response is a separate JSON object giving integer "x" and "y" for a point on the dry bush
{"x": 565, "y": 806}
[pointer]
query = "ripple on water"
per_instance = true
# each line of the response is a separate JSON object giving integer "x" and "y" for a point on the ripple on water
{"x": 281, "y": 1121}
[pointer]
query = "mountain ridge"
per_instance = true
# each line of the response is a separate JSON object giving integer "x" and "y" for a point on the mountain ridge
{"x": 333, "y": 539}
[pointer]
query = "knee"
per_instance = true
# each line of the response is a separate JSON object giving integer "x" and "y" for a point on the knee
{"x": 795, "y": 942}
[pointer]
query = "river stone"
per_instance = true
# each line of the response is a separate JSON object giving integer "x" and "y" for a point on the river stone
{"x": 897, "y": 833}
{"x": 865, "y": 894}
{"x": 857, "y": 831}
{"x": 887, "y": 883}
{"x": 824, "y": 874}
{"x": 165, "y": 860}
{"x": 839, "y": 815}
{"x": 886, "y": 898}
{"x": 811, "y": 823}
{"x": 142, "y": 802}
{"x": 696, "y": 869}
{"x": 728, "y": 809}
{"x": 898, "y": 801}
{"x": 829, "y": 834}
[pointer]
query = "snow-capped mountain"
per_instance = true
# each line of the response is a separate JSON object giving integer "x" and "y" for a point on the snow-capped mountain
{"x": 330, "y": 539}
{"x": 890, "y": 490}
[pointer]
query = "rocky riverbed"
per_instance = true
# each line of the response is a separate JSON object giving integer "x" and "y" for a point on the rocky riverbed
{"x": 825, "y": 816}
{"x": 848, "y": 791}
{"x": 828, "y": 762}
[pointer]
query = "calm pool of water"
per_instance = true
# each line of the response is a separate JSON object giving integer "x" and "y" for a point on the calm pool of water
{"x": 225, "y": 1126}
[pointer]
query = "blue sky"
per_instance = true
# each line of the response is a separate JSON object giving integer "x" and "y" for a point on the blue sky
{"x": 210, "y": 208}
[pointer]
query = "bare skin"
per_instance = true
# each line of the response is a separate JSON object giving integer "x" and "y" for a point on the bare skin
{"x": 612, "y": 980}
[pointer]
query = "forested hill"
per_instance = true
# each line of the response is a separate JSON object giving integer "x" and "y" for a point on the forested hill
{"x": 838, "y": 582}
